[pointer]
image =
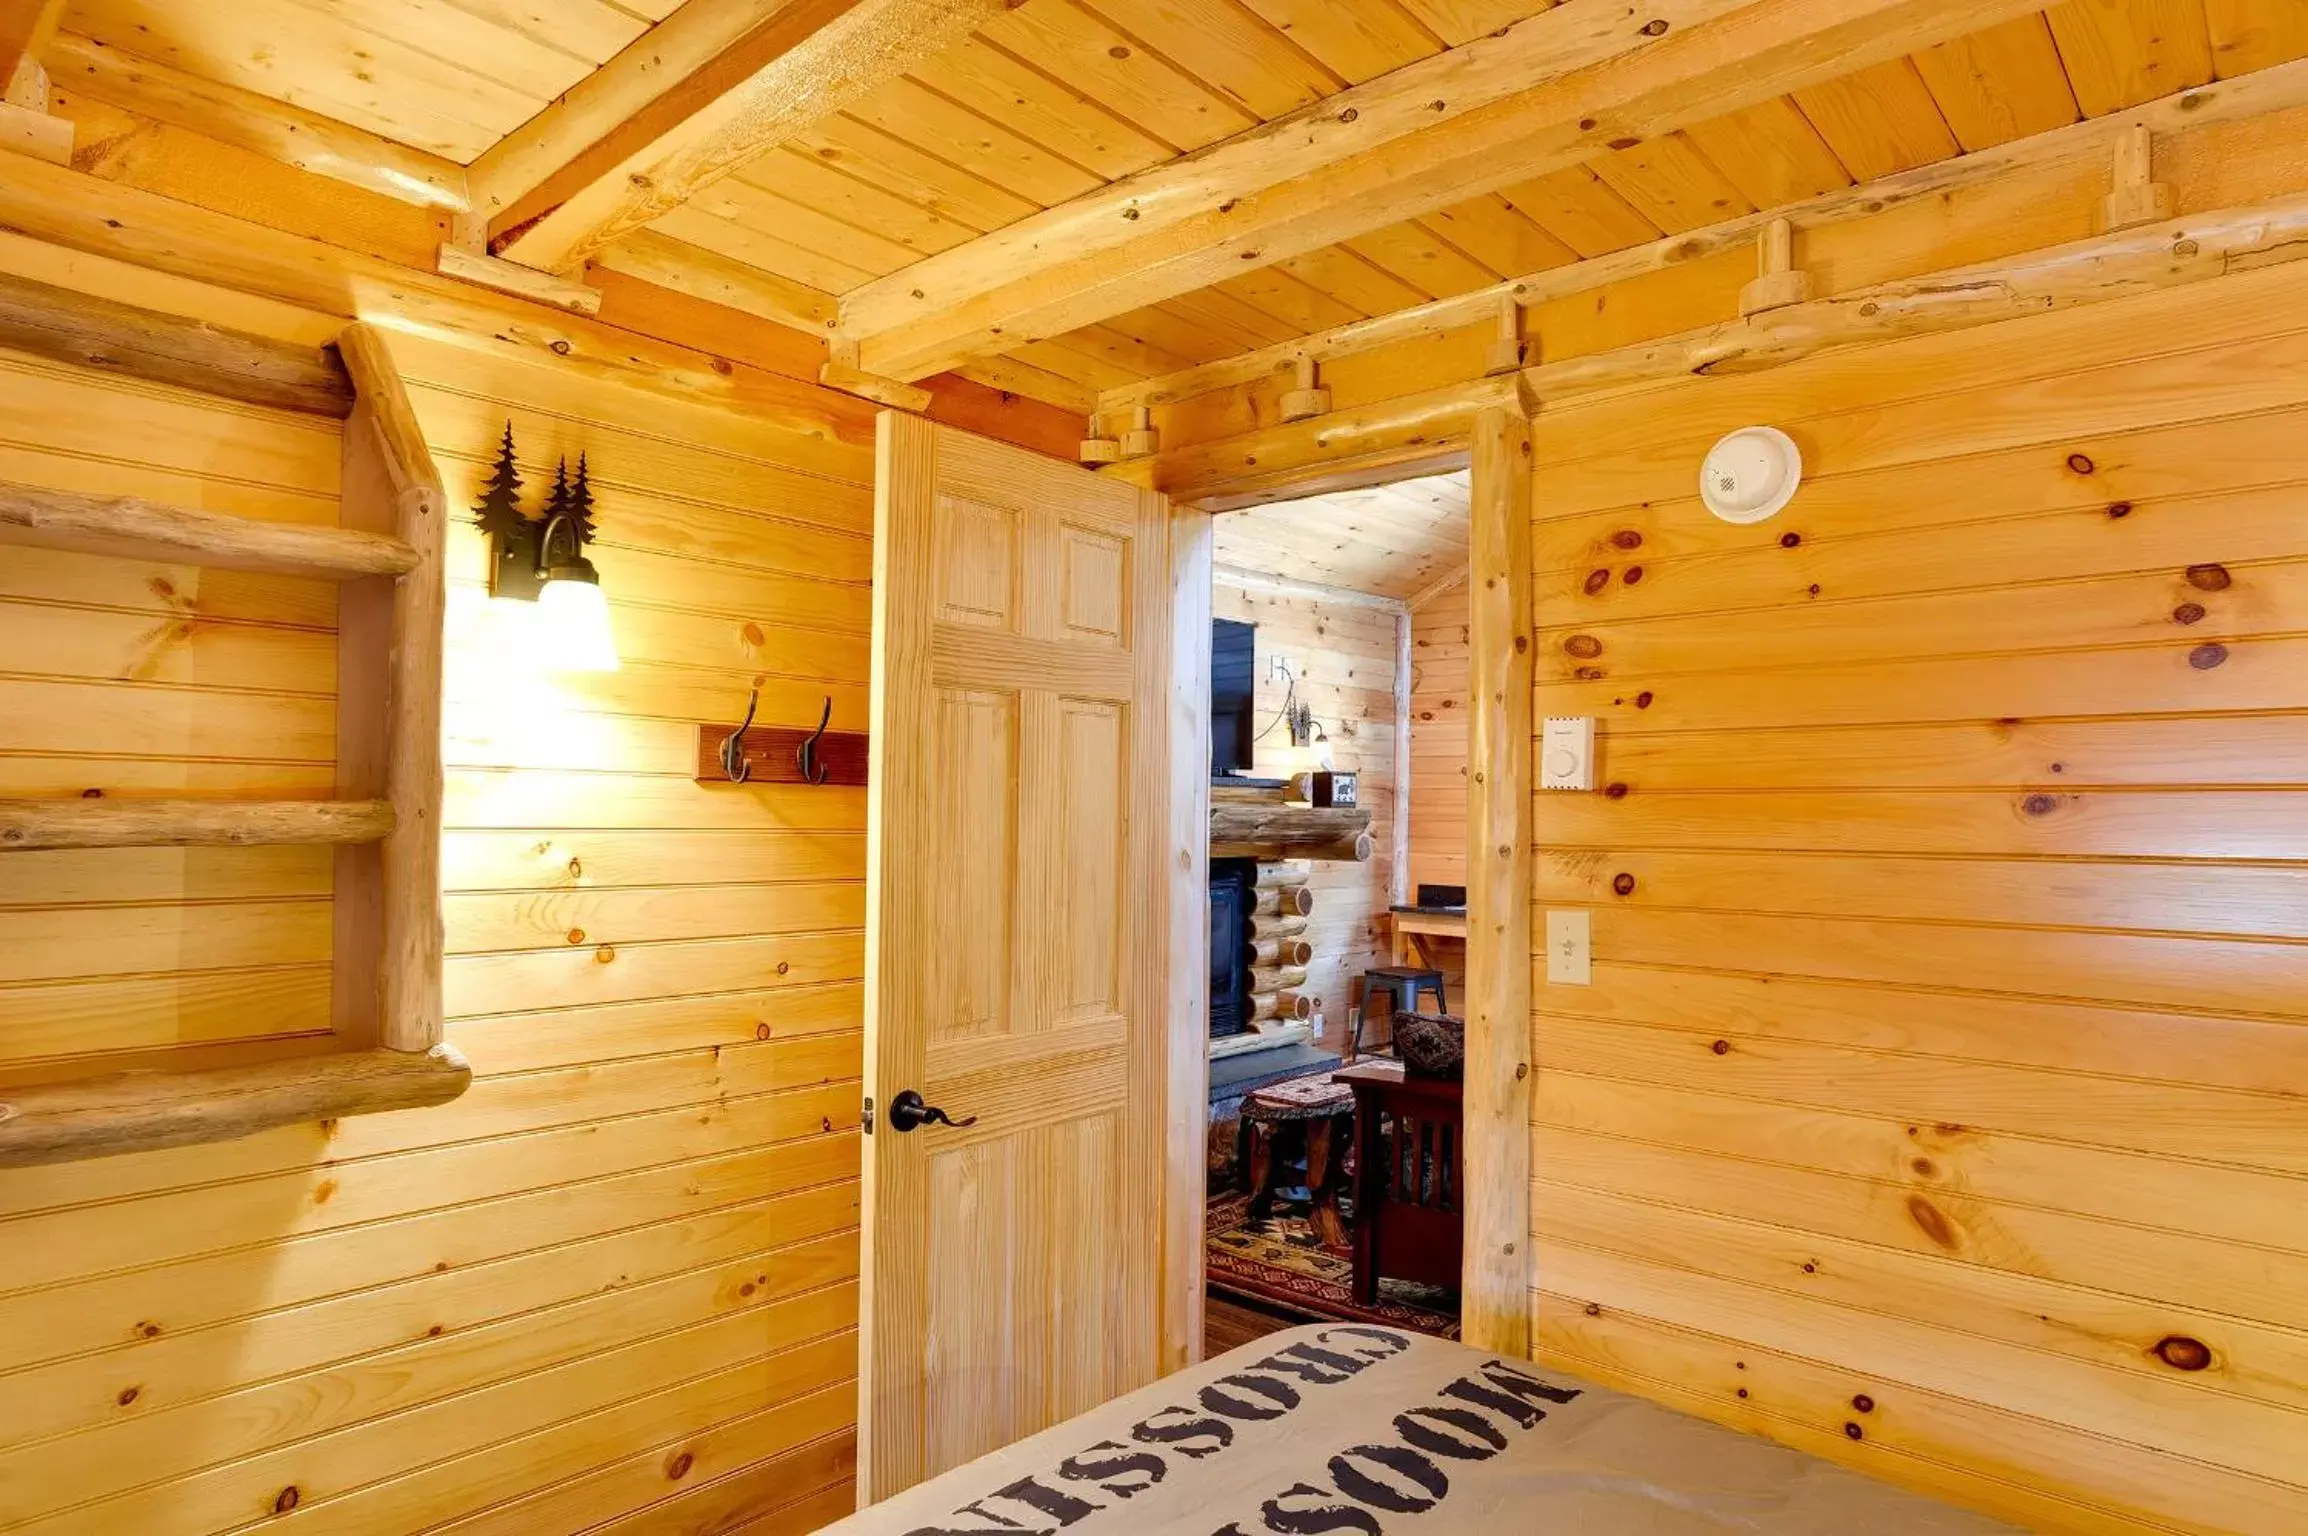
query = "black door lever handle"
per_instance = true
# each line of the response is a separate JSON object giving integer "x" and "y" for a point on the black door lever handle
{"x": 907, "y": 1111}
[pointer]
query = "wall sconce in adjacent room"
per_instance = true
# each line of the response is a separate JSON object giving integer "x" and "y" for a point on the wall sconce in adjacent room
{"x": 542, "y": 561}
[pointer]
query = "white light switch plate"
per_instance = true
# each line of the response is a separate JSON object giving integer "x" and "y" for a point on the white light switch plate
{"x": 1570, "y": 954}
{"x": 1567, "y": 752}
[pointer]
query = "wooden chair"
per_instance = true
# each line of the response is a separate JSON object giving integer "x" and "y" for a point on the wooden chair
{"x": 1410, "y": 1177}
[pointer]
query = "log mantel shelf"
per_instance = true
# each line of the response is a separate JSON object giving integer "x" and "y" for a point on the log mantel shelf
{"x": 1273, "y": 829}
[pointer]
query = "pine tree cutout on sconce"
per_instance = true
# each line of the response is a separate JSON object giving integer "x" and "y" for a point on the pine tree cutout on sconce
{"x": 542, "y": 561}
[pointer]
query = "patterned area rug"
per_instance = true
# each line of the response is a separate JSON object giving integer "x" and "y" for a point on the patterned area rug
{"x": 1281, "y": 1260}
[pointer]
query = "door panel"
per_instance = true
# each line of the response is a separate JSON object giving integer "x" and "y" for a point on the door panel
{"x": 1018, "y": 948}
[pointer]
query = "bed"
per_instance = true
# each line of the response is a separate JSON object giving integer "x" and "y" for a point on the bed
{"x": 1356, "y": 1428}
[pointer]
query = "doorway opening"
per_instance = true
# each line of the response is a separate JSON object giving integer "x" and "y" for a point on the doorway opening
{"x": 1335, "y": 1160}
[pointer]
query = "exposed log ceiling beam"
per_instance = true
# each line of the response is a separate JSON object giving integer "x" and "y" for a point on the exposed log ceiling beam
{"x": 2254, "y": 95}
{"x": 1561, "y": 87}
{"x": 802, "y": 61}
{"x": 2199, "y": 247}
{"x": 25, "y": 27}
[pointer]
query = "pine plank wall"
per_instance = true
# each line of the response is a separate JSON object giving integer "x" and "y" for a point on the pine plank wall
{"x": 1344, "y": 657}
{"x": 613, "y": 1288}
{"x": 1438, "y": 739}
{"x": 1937, "y": 1104}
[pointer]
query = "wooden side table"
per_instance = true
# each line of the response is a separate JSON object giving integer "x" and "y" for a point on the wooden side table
{"x": 1323, "y": 1109}
{"x": 1410, "y": 1177}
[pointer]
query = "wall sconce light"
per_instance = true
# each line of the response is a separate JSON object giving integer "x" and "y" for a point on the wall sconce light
{"x": 542, "y": 561}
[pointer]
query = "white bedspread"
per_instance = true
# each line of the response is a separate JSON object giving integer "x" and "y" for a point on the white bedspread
{"x": 1350, "y": 1428}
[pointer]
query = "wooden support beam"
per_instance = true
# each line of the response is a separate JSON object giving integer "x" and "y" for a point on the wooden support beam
{"x": 2190, "y": 250}
{"x": 1446, "y": 582}
{"x": 146, "y": 1111}
{"x": 68, "y": 326}
{"x": 258, "y": 124}
{"x": 2227, "y": 101}
{"x": 1495, "y": 1299}
{"x": 1556, "y": 89}
{"x": 25, "y": 28}
{"x": 1304, "y": 403}
{"x": 894, "y": 393}
{"x": 470, "y": 266}
{"x": 708, "y": 275}
{"x": 808, "y": 60}
{"x": 1507, "y": 351}
{"x": 126, "y": 525}
{"x": 31, "y": 824}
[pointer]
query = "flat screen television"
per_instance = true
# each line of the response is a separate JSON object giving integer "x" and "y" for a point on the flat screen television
{"x": 1233, "y": 679}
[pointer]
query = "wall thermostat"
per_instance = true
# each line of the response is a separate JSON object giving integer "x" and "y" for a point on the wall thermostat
{"x": 1751, "y": 474}
{"x": 1567, "y": 752}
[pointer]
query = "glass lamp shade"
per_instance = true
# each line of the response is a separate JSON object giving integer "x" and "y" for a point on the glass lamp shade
{"x": 573, "y": 626}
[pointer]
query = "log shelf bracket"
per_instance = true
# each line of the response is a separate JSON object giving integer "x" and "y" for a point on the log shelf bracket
{"x": 384, "y": 1046}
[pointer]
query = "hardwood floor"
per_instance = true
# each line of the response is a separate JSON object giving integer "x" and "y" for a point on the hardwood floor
{"x": 1230, "y": 1324}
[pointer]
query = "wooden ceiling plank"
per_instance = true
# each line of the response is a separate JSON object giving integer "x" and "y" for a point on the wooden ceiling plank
{"x": 595, "y": 31}
{"x": 1420, "y": 257}
{"x": 513, "y": 56}
{"x": 803, "y": 178}
{"x": 1494, "y": 232}
{"x": 2002, "y": 84}
{"x": 1125, "y": 349}
{"x": 1120, "y": 73}
{"x": 1061, "y": 357}
{"x": 1880, "y": 121}
{"x": 815, "y": 58}
{"x": 1289, "y": 300}
{"x": 2255, "y": 34}
{"x": 1175, "y": 334}
{"x": 1380, "y": 153}
{"x": 259, "y": 124}
{"x": 1219, "y": 310}
{"x": 993, "y": 84}
{"x": 1672, "y": 184}
{"x": 985, "y": 145}
{"x": 1770, "y": 152}
{"x": 1228, "y": 49}
{"x": 1349, "y": 280}
{"x": 274, "y": 48}
{"x": 800, "y": 224}
{"x": 890, "y": 163}
{"x": 1576, "y": 208}
{"x": 2283, "y": 88}
{"x": 739, "y": 242}
{"x": 25, "y": 28}
{"x": 1357, "y": 40}
{"x": 658, "y": 258}
{"x": 2120, "y": 53}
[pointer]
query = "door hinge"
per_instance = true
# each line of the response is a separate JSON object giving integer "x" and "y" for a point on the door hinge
{"x": 867, "y": 1117}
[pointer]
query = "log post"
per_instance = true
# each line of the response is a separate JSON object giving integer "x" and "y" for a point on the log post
{"x": 1142, "y": 441}
{"x": 2136, "y": 197}
{"x": 1495, "y": 1285}
{"x": 1099, "y": 450}
{"x": 1506, "y": 351}
{"x": 1309, "y": 399}
{"x": 1778, "y": 282}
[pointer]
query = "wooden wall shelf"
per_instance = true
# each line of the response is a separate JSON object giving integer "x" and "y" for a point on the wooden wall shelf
{"x": 1276, "y": 829}
{"x": 389, "y": 551}
{"x": 29, "y": 824}
{"x": 146, "y": 1111}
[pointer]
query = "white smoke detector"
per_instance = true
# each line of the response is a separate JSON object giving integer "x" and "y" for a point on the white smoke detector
{"x": 1751, "y": 474}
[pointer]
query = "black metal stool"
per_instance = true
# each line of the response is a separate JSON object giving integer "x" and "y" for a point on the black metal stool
{"x": 1402, "y": 985}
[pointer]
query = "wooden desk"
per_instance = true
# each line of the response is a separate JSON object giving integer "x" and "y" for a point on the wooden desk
{"x": 1410, "y": 1169}
{"x": 1411, "y": 929}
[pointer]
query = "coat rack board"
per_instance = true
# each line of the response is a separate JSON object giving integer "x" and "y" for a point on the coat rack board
{"x": 772, "y": 755}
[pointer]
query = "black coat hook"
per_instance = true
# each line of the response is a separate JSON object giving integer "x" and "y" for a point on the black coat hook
{"x": 733, "y": 760}
{"x": 813, "y": 771}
